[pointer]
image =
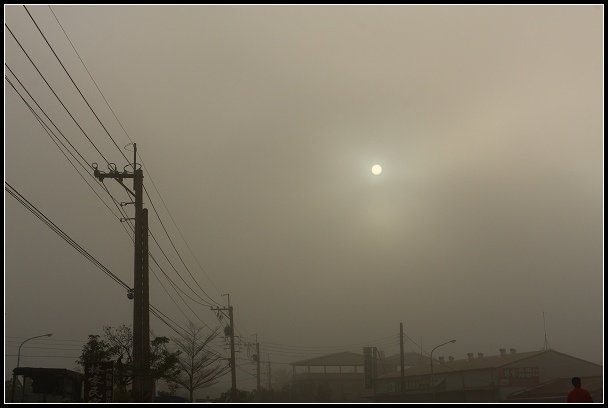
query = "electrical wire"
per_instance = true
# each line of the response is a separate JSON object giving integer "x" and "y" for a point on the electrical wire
{"x": 177, "y": 227}
{"x": 54, "y": 93}
{"x": 86, "y": 135}
{"x": 131, "y": 140}
{"x": 34, "y": 210}
{"x": 205, "y": 303}
{"x": 45, "y": 114}
{"x": 176, "y": 251}
{"x": 29, "y": 206}
{"x": 57, "y": 142}
{"x": 71, "y": 79}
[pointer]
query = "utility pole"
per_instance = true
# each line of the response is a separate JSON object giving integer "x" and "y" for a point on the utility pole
{"x": 546, "y": 346}
{"x": 142, "y": 382}
{"x": 257, "y": 357}
{"x": 374, "y": 367}
{"x": 402, "y": 358}
{"x": 269, "y": 374}
{"x": 232, "y": 351}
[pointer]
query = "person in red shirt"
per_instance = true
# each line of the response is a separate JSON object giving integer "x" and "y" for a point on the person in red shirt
{"x": 578, "y": 394}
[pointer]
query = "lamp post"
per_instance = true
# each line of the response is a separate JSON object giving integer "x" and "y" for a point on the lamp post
{"x": 432, "y": 374}
{"x": 19, "y": 360}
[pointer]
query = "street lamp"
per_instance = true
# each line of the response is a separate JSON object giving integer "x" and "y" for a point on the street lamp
{"x": 19, "y": 360}
{"x": 432, "y": 374}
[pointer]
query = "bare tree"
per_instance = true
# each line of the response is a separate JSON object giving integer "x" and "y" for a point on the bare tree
{"x": 200, "y": 366}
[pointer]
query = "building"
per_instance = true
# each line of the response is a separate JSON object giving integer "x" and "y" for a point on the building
{"x": 49, "y": 385}
{"x": 339, "y": 377}
{"x": 480, "y": 378}
{"x": 335, "y": 377}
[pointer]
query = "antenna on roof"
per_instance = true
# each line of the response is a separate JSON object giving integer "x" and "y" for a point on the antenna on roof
{"x": 546, "y": 346}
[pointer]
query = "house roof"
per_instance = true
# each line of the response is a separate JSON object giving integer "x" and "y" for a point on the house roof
{"x": 485, "y": 362}
{"x": 345, "y": 358}
{"x": 557, "y": 388}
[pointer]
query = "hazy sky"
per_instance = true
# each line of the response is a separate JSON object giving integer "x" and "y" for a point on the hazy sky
{"x": 259, "y": 126}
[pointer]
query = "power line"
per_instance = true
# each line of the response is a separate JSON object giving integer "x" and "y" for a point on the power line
{"x": 43, "y": 111}
{"x": 416, "y": 344}
{"x": 58, "y": 141}
{"x": 176, "y": 271}
{"x": 143, "y": 164}
{"x": 167, "y": 292}
{"x": 71, "y": 79}
{"x": 175, "y": 287}
{"x": 176, "y": 251}
{"x": 173, "y": 284}
{"x": 176, "y": 226}
{"x": 155, "y": 311}
{"x": 54, "y": 93}
{"x": 45, "y": 127}
{"x": 34, "y": 210}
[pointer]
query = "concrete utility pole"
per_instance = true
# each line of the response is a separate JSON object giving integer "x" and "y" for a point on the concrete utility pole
{"x": 142, "y": 382}
{"x": 232, "y": 351}
{"x": 402, "y": 358}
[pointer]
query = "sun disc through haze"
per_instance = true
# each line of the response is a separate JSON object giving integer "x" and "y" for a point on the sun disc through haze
{"x": 376, "y": 169}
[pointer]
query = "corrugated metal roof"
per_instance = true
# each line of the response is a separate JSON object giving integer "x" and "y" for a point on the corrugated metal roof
{"x": 466, "y": 364}
{"x": 345, "y": 358}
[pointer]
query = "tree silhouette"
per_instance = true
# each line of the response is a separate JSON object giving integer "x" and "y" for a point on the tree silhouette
{"x": 117, "y": 346}
{"x": 200, "y": 366}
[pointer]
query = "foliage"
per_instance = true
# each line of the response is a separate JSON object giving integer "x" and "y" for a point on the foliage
{"x": 117, "y": 345}
{"x": 96, "y": 350}
{"x": 163, "y": 363}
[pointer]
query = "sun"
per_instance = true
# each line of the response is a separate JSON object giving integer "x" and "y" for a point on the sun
{"x": 376, "y": 169}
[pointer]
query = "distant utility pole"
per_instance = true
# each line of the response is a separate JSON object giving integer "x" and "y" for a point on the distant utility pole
{"x": 546, "y": 346}
{"x": 257, "y": 357}
{"x": 232, "y": 351}
{"x": 402, "y": 358}
{"x": 374, "y": 367}
{"x": 269, "y": 374}
{"x": 142, "y": 382}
